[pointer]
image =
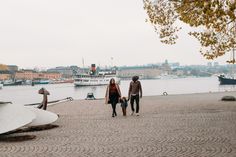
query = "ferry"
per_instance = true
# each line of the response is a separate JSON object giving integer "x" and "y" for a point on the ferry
{"x": 95, "y": 79}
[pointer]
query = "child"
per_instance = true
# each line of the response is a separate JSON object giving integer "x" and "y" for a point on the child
{"x": 124, "y": 104}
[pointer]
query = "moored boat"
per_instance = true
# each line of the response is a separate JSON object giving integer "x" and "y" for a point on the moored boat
{"x": 89, "y": 80}
{"x": 95, "y": 79}
{"x": 12, "y": 82}
{"x": 62, "y": 81}
{"x": 40, "y": 81}
{"x": 229, "y": 80}
{"x": 226, "y": 80}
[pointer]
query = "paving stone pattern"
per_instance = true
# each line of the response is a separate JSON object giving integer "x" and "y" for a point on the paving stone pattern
{"x": 197, "y": 125}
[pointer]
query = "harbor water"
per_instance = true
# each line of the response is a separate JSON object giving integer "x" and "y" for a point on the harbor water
{"x": 29, "y": 94}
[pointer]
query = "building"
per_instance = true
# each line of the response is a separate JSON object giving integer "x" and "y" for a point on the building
{"x": 26, "y": 74}
{"x": 209, "y": 64}
{"x": 67, "y": 72}
{"x": 5, "y": 75}
{"x": 12, "y": 68}
{"x": 216, "y": 64}
{"x": 3, "y": 67}
{"x": 31, "y": 74}
{"x": 166, "y": 67}
{"x": 50, "y": 75}
{"x": 142, "y": 72}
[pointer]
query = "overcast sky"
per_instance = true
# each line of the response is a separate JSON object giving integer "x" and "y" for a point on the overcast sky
{"x": 49, "y": 33}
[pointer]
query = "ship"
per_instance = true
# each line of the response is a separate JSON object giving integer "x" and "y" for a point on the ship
{"x": 94, "y": 78}
{"x": 40, "y": 81}
{"x": 12, "y": 82}
{"x": 226, "y": 80}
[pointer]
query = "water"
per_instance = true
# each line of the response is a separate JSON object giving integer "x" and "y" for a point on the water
{"x": 29, "y": 94}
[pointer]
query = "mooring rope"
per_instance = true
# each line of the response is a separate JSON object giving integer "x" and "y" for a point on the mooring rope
{"x": 7, "y": 102}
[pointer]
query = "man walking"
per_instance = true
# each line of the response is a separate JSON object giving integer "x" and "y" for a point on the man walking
{"x": 135, "y": 89}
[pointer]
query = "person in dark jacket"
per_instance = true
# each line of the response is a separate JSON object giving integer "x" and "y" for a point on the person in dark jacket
{"x": 135, "y": 93}
{"x": 113, "y": 95}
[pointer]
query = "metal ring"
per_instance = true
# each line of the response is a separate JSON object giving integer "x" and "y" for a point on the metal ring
{"x": 165, "y": 93}
{"x": 69, "y": 98}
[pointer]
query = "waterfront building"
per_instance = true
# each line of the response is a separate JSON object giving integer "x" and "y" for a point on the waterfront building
{"x": 209, "y": 64}
{"x": 142, "y": 72}
{"x": 66, "y": 72}
{"x": 3, "y": 67}
{"x": 50, "y": 75}
{"x": 12, "y": 68}
{"x": 31, "y": 74}
{"x": 5, "y": 75}
{"x": 216, "y": 64}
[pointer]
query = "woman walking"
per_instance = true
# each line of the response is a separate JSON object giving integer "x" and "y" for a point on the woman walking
{"x": 113, "y": 95}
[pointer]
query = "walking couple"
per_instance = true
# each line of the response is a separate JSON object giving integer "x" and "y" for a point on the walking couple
{"x": 113, "y": 96}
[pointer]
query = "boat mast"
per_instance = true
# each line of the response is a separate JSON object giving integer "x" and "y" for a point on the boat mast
{"x": 83, "y": 63}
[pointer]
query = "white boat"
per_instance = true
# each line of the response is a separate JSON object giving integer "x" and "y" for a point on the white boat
{"x": 40, "y": 81}
{"x": 95, "y": 79}
{"x": 12, "y": 82}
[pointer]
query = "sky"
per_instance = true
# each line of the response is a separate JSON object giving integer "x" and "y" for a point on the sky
{"x": 50, "y": 33}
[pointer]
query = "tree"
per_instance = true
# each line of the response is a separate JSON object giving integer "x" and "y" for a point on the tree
{"x": 215, "y": 18}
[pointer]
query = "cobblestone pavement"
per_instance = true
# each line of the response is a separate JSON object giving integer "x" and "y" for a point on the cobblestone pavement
{"x": 196, "y": 125}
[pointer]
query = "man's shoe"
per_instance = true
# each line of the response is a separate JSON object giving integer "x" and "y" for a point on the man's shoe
{"x": 137, "y": 114}
{"x": 132, "y": 113}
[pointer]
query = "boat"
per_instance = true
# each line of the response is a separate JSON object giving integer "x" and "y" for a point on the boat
{"x": 226, "y": 80}
{"x": 1, "y": 85}
{"x": 12, "y": 82}
{"x": 40, "y": 81}
{"x": 62, "y": 81}
{"x": 94, "y": 78}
